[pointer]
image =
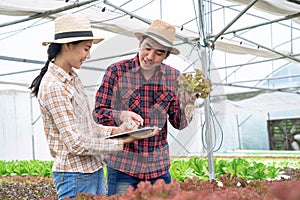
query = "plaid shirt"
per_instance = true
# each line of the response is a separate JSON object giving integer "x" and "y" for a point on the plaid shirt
{"x": 74, "y": 138}
{"x": 124, "y": 88}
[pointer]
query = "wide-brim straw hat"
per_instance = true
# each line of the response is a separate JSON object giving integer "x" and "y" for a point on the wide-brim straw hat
{"x": 71, "y": 28}
{"x": 161, "y": 32}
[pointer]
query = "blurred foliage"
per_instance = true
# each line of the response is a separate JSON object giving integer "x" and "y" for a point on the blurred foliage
{"x": 194, "y": 84}
{"x": 236, "y": 178}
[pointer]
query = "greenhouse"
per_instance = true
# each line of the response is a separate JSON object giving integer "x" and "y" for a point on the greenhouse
{"x": 248, "y": 49}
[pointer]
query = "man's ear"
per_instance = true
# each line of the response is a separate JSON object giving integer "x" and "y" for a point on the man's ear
{"x": 140, "y": 42}
{"x": 167, "y": 55}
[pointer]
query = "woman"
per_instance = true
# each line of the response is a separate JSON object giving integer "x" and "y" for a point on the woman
{"x": 75, "y": 141}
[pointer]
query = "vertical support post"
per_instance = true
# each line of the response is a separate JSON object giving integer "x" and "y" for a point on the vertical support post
{"x": 204, "y": 63}
{"x": 208, "y": 129}
{"x": 32, "y": 129}
{"x": 238, "y": 130}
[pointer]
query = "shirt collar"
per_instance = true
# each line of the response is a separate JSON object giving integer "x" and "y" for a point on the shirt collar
{"x": 62, "y": 74}
{"x": 137, "y": 67}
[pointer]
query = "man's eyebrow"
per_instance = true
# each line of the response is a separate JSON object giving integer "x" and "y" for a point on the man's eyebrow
{"x": 160, "y": 50}
{"x": 148, "y": 44}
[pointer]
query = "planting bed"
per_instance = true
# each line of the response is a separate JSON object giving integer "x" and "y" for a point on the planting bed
{"x": 229, "y": 187}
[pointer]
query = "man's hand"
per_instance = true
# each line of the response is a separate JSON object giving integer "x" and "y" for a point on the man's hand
{"x": 189, "y": 112}
{"x": 125, "y": 126}
{"x": 187, "y": 98}
{"x": 131, "y": 116}
{"x": 187, "y": 105}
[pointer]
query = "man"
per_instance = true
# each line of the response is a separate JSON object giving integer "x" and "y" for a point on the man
{"x": 143, "y": 90}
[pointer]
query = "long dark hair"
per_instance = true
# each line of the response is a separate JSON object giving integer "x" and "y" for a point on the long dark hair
{"x": 52, "y": 51}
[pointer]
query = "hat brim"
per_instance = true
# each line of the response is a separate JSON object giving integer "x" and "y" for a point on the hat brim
{"x": 174, "y": 51}
{"x": 68, "y": 40}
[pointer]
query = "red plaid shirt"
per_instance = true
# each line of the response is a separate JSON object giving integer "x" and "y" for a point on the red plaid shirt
{"x": 125, "y": 88}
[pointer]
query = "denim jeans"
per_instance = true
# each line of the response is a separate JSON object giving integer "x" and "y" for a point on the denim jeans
{"x": 118, "y": 181}
{"x": 69, "y": 184}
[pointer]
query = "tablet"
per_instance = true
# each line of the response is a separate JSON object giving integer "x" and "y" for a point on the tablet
{"x": 138, "y": 133}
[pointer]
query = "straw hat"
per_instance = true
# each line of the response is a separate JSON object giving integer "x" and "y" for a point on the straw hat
{"x": 161, "y": 32}
{"x": 71, "y": 28}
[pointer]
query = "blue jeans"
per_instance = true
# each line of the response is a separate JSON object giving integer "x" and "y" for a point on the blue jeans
{"x": 118, "y": 181}
{"x": 69, "y": 184}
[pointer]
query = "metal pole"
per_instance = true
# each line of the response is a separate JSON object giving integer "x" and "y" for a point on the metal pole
{"x": 269, "y": 49}
{"x": 235, "y": 19}
{"x": 238, "y": 130}
{"x": 259, "y": 25}
{"x": 142, "y": 19}
{"x": 32, "y": 128}
{"x": 208, "y": 129}
{"x": 47, "y": 13}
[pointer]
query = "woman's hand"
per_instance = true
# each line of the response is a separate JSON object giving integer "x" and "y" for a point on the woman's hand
{"x": 139, "y": 136}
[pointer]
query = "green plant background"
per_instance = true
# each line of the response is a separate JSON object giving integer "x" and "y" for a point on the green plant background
{"x": 181, "y": 168}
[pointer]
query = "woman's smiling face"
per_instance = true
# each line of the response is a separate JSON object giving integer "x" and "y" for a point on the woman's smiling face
{"x": 79, "y": 53}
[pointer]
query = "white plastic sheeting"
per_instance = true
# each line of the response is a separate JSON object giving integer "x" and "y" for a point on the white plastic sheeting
{"x": 114, "y": 21}
{"x": 275, "y": 7}
{"x": 242, "y": 118}
{"x": 19, "y": 139}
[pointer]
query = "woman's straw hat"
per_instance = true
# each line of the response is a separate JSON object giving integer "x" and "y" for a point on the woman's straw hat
{"x": 71, "y": 28}
{"x": 161, "y": 32}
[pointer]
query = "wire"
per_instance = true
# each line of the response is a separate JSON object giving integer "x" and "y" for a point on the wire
{"x": 204, "y": 132}
{"x": 15, "y": 32}
{"x": 121, "y": 14}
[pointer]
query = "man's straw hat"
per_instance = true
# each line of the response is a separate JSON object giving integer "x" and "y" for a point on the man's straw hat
{"x": 161, "y": 32}
{"x": 71, "y": 28}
